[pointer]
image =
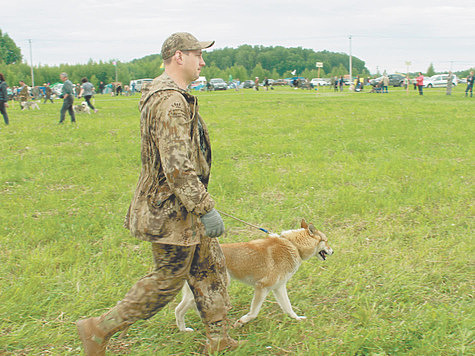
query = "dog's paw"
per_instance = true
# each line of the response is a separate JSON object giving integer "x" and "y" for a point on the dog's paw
{"x": 187, "y": 330}
{"x": 239, "y": 324}
{"x": 297, "y": 317}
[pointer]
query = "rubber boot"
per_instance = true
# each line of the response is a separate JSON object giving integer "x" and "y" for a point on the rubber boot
{"x": 218, "y": 339}
{"x": 96, "y": 332}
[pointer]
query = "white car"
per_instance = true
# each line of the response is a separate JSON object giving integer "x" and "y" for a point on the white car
{"x": 139, "y": 83}
{"x": 318, "y": 82}
{"x": 218, "y": 84}
{"x": 439, "y": 80}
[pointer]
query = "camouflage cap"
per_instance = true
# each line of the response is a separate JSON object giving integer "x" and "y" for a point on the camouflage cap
{"x": 182, "y": 41}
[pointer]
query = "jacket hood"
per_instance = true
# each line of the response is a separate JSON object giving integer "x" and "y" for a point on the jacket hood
{"x": 161, "y": 83}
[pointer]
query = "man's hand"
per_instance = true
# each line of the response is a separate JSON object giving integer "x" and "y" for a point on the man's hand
{"x": 213, "y": 223}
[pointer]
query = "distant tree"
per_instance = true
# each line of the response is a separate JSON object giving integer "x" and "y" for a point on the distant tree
{"x": 430, "y": 70}
{"x": 279, "y": 61}
{"x": 9, "y": 52}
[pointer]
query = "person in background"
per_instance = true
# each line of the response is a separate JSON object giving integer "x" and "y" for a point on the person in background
{"x": 172, "y": 208}
{"x": 266, "y": 83}
{"x": 118, "y": 89}
{"x": 3, "y": 98}
{"x": 102, "y": 86}
{"x": 48, "y": 93}
{"x": 86, "y": 90}
{"x": 450, "y": 79}
{"x": 470, "y": 80}
{"x": 420, "y": 83}
{"x": 23, "y": 93}
{"x": 385, "y": 83}
{"x": 67, "y": 94}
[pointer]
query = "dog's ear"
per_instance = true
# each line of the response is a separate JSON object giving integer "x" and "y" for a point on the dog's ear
{"x": 303, "y": 224}
{"x": 312, "y": 229}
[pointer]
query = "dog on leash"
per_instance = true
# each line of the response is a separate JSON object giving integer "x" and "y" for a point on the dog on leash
{"x": 83, "y": 107}
{"x": 267, "y": 265}
{"x": 30, "y": 105}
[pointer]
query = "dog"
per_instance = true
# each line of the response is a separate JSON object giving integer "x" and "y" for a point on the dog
{"x": 82, "y": 108}
{"x": 267, "y": 265}
{"x": 29, "y": 105}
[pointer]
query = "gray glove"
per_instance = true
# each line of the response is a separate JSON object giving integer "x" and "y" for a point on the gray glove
{"x": 213, "y": 223}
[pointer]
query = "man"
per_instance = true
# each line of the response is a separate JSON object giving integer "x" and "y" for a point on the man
{"x": 68, "y": 98}
{"x": 87, "y": 90}
{"x": 420, "y": 83}
{"x": 23, "y": 93}
{"x": 48, "y": 93}
{"x": 4, "y": 98}
{"x": 171, "y": 207}
{"x": 101, "y": 87}
{"x": 385, "y": 83}
{"x": 450, "y": 79}
{"x": 470, "y": 80}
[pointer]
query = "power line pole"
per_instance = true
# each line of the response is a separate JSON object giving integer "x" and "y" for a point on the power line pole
{"x": 351, "y": 65}
{"x": 31, "y": 65}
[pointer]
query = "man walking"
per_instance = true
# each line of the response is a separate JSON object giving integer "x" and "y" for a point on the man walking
{"x": 450, "y": 79}
{"x": 68, "y": 98}
{"x": 420, "y": 83}
{"x": 171, "y": 207}
{"x": 23, "y": 93}
{"x": 48, "y": 93}
{"x": 470, "y": 80}
{"x": 385, "y": 83}
{"x": 86, "y": 90}
{"x": 3, "y": 98}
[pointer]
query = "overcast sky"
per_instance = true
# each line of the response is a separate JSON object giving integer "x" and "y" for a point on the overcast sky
{"x": 385, "y": 34}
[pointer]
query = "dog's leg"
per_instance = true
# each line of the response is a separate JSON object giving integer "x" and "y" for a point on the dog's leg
{"x": 284, "y": 302}
{"x": 260, "y": 295}
{"x": 187, "y": 301}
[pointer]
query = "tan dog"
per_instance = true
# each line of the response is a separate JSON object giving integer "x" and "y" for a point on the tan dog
{"x": 30, "y": 105}
{"x": 267, "y": 265}
{"x": 82, "y": 108}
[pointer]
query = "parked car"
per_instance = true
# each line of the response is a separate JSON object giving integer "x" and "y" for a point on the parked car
{"x": 248, "y": 84}
{"x": 439, "y": 80}
{"x": 270, "y": 81}
{"x": 139, "y": 83}
{"x": 280, "y": 82}
{"x": 319, "y": 82}
{"x": 396, "y": 80}
{"x": 218, "y": 84}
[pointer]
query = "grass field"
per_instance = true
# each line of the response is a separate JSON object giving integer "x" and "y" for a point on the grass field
{"x": 388, "y": 178}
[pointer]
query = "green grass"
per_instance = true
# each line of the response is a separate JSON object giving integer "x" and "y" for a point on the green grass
{"x": 388, "y": 178}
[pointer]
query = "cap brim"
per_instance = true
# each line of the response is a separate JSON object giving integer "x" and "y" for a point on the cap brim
{"x": 206, "y": 44}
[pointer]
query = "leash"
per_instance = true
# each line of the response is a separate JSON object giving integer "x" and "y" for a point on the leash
{"x": 244, "y": 222}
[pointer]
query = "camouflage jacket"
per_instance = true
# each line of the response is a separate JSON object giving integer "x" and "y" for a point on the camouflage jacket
{"x": 23, "y": 94}
{"x": 171, "y": 192}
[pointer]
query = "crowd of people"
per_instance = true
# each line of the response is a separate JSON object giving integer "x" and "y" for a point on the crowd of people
{"x": 22, "y": 93}
{"x": 29, "y": 97}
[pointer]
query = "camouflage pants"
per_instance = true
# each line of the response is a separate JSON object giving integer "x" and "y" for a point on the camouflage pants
{"x": 202, "y": 266}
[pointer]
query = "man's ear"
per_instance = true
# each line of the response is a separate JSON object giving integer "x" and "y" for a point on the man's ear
{"x": 178, "y": 57}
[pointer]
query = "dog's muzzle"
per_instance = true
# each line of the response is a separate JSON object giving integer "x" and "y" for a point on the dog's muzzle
{"x": 323, "y": 254}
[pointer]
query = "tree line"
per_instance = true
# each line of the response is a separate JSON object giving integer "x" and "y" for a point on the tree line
{"x": 244, "y": 62}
